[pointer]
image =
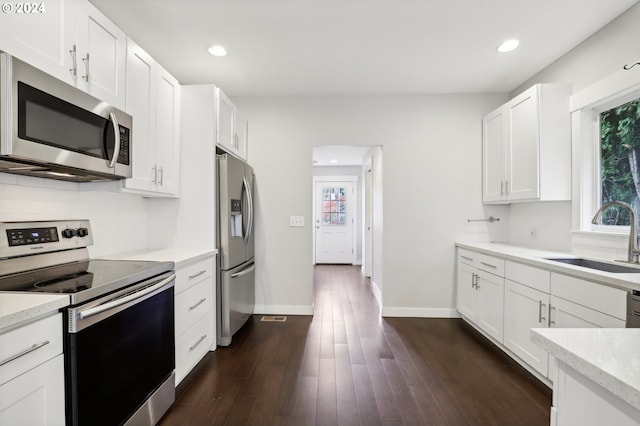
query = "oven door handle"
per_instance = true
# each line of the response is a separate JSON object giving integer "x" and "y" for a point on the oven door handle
{"x": 124, "y": 300}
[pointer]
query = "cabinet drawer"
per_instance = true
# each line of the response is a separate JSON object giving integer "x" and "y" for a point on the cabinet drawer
{"x": 490, "y": 264}
{"x": 193, "y": 345}
{"x": 468, "y": 257}
{"x": 193, "y": 274}
{"x": 26, "y": 347}
{"x": 608, "y": 300}
{"x": 192, "y": 304}
{"x": 536, "y": 278}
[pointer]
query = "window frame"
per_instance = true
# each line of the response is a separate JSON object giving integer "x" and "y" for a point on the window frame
{"x": 585, "y": 107}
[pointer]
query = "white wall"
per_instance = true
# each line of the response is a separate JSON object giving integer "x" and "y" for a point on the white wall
{"x": 604, "y": 53}
{"x": 348, "y": 171}
{"x": 118, "y": 221}
{"x": 431, "y": 185}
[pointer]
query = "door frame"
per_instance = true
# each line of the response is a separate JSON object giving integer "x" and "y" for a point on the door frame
{"x": 356, "y": 220}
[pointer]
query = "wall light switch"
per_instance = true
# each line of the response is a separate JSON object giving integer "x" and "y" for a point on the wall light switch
{"x": 296, "y": 221}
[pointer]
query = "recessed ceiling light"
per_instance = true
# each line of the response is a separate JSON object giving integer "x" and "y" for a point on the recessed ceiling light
{"x": 334, "y": 161}
{"x": 508, "y": 45}
{"x": 217, "y": 50}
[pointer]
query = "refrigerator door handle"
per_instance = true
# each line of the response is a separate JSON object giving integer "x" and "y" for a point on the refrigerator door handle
{"x": 249, "y": 229}
{"x": 244, "y": 271}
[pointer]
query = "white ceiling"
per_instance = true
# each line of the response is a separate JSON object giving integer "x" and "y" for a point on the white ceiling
{"x": 339, "y": 155}
{"x": 293, "y": 47}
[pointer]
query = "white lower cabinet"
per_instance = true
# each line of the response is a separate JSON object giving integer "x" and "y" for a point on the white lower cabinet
{"x": 194, "y": 314}
{"x": 506, "y": 309}
{"x": 480, "y": 293}
{"x": 35, "y": 397}
{"x": 32, "y": 374}
{"x": 525, "y": 308}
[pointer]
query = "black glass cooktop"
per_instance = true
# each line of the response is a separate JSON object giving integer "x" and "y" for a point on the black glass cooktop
{"x": 84, "y": 280}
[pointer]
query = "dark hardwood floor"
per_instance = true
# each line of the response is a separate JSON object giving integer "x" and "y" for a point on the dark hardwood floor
{"x": 348, "y": 366}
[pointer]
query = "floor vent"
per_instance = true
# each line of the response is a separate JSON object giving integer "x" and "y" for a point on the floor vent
{"x": 273, "y": 318}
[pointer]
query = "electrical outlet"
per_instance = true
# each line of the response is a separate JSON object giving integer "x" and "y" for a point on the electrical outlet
{"x": 533, "y": 233}
{"x": 296, "y": 221}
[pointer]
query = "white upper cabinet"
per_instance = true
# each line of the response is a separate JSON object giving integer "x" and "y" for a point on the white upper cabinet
{"x": 73, "y": 41}
{"x": 153, "y": 99}
{"x": 232, "y": 127}
{"x": 50, "y": 47}
{"x": 527, "y": 147}
{"x": 101, "y": 56}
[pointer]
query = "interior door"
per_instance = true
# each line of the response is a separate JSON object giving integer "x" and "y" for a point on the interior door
{"x": 334, "y": 221}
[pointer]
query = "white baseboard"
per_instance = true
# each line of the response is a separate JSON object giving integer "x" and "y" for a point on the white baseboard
{"x": 421, "y": 312}
{"x": 283, "y": 310}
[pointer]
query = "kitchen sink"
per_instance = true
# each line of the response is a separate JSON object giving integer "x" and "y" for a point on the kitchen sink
{"x": 600, "y": 266}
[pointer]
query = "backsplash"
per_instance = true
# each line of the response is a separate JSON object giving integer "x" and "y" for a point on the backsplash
{"x": 545, "y": 225}
{"x": 118, "y": 221}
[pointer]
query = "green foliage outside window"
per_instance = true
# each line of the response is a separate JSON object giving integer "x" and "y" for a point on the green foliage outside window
{"x": 620, "y": 160}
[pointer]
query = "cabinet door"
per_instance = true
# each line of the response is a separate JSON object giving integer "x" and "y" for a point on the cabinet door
{"x": 226, "y": 134}
{"x": 44, "y": 40}
{"x": 490, "y": 317}
{"x": 140, "y": 101}
{"x": 523, "y": 175}
{"x": 242, "y": 135}
{"x": 565, "y": 314}
{"x": 525, "y": 308}
{"x": 102, "y": 50}
{"x": 167, "y": 133}
{"x": 35, "y": 398}
{"x": 466, "y": 297}
{"x": 493, "y": 156}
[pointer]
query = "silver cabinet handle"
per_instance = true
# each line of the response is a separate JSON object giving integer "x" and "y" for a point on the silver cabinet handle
{"x": 192, "y": 347}
{"x": 551, "y": 322}
{"x": 467, "y": 258}
{"x": 501, "y": 187}
{"x": 86, "y": 67}
{"x": 506, "y": 187}
{"x": 34, "y": 347}
{"x": 489, "y": 265}
{"x": 161, "y": 176}
{"x": 116, "y": 138}
{"x": 74, "y": 64}
{"x": 155, "y": 174}
{"x": 200, "y": 302}
{"x": 197, "y": 274}
{"x": 540, "y": 317}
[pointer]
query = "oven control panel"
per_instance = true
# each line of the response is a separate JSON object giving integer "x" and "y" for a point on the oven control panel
{"x": 23, "y": 238}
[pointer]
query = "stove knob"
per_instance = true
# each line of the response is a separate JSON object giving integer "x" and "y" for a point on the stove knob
{"x": 82, "y": 232}
{"x": 68, "y": 233}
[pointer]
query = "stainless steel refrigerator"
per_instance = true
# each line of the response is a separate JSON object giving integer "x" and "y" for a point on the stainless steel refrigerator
{"x": 235, "y": 264}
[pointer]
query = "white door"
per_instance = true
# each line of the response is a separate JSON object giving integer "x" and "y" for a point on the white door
{"x": 334, "y": 221}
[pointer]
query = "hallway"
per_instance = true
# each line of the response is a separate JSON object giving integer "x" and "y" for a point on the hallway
{"x": 348, "y": 366}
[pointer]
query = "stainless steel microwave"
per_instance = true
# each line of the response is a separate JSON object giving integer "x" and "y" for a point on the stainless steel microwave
{"x": 51, "y": 129}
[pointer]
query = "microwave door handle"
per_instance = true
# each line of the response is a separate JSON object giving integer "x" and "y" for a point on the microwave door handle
{"x": 116, "y": 133}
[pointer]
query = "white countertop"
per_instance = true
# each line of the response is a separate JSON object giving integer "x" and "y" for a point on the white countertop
{"x": 180, "y": 256}
{"x": 16, "y": 308}
{"x": 609, "y": 357}
{"x": 535, "y": 257}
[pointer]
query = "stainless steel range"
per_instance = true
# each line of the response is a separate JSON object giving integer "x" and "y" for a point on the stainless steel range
{"x": 119, "y": 328}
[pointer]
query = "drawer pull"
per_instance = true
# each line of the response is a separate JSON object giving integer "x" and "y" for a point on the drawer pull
{"x": 489, "y": 265}
{"x": 192, "y": 347}
{"x": 540, "y": 307}
{"x": 200, "y": 302}
{"x": 23, "y": 353}
{"x": 466, "y": 258}
{"x": 197, "y": 275}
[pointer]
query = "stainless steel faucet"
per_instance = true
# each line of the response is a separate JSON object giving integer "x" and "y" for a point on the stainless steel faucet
{"x": 632, "y": 254}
